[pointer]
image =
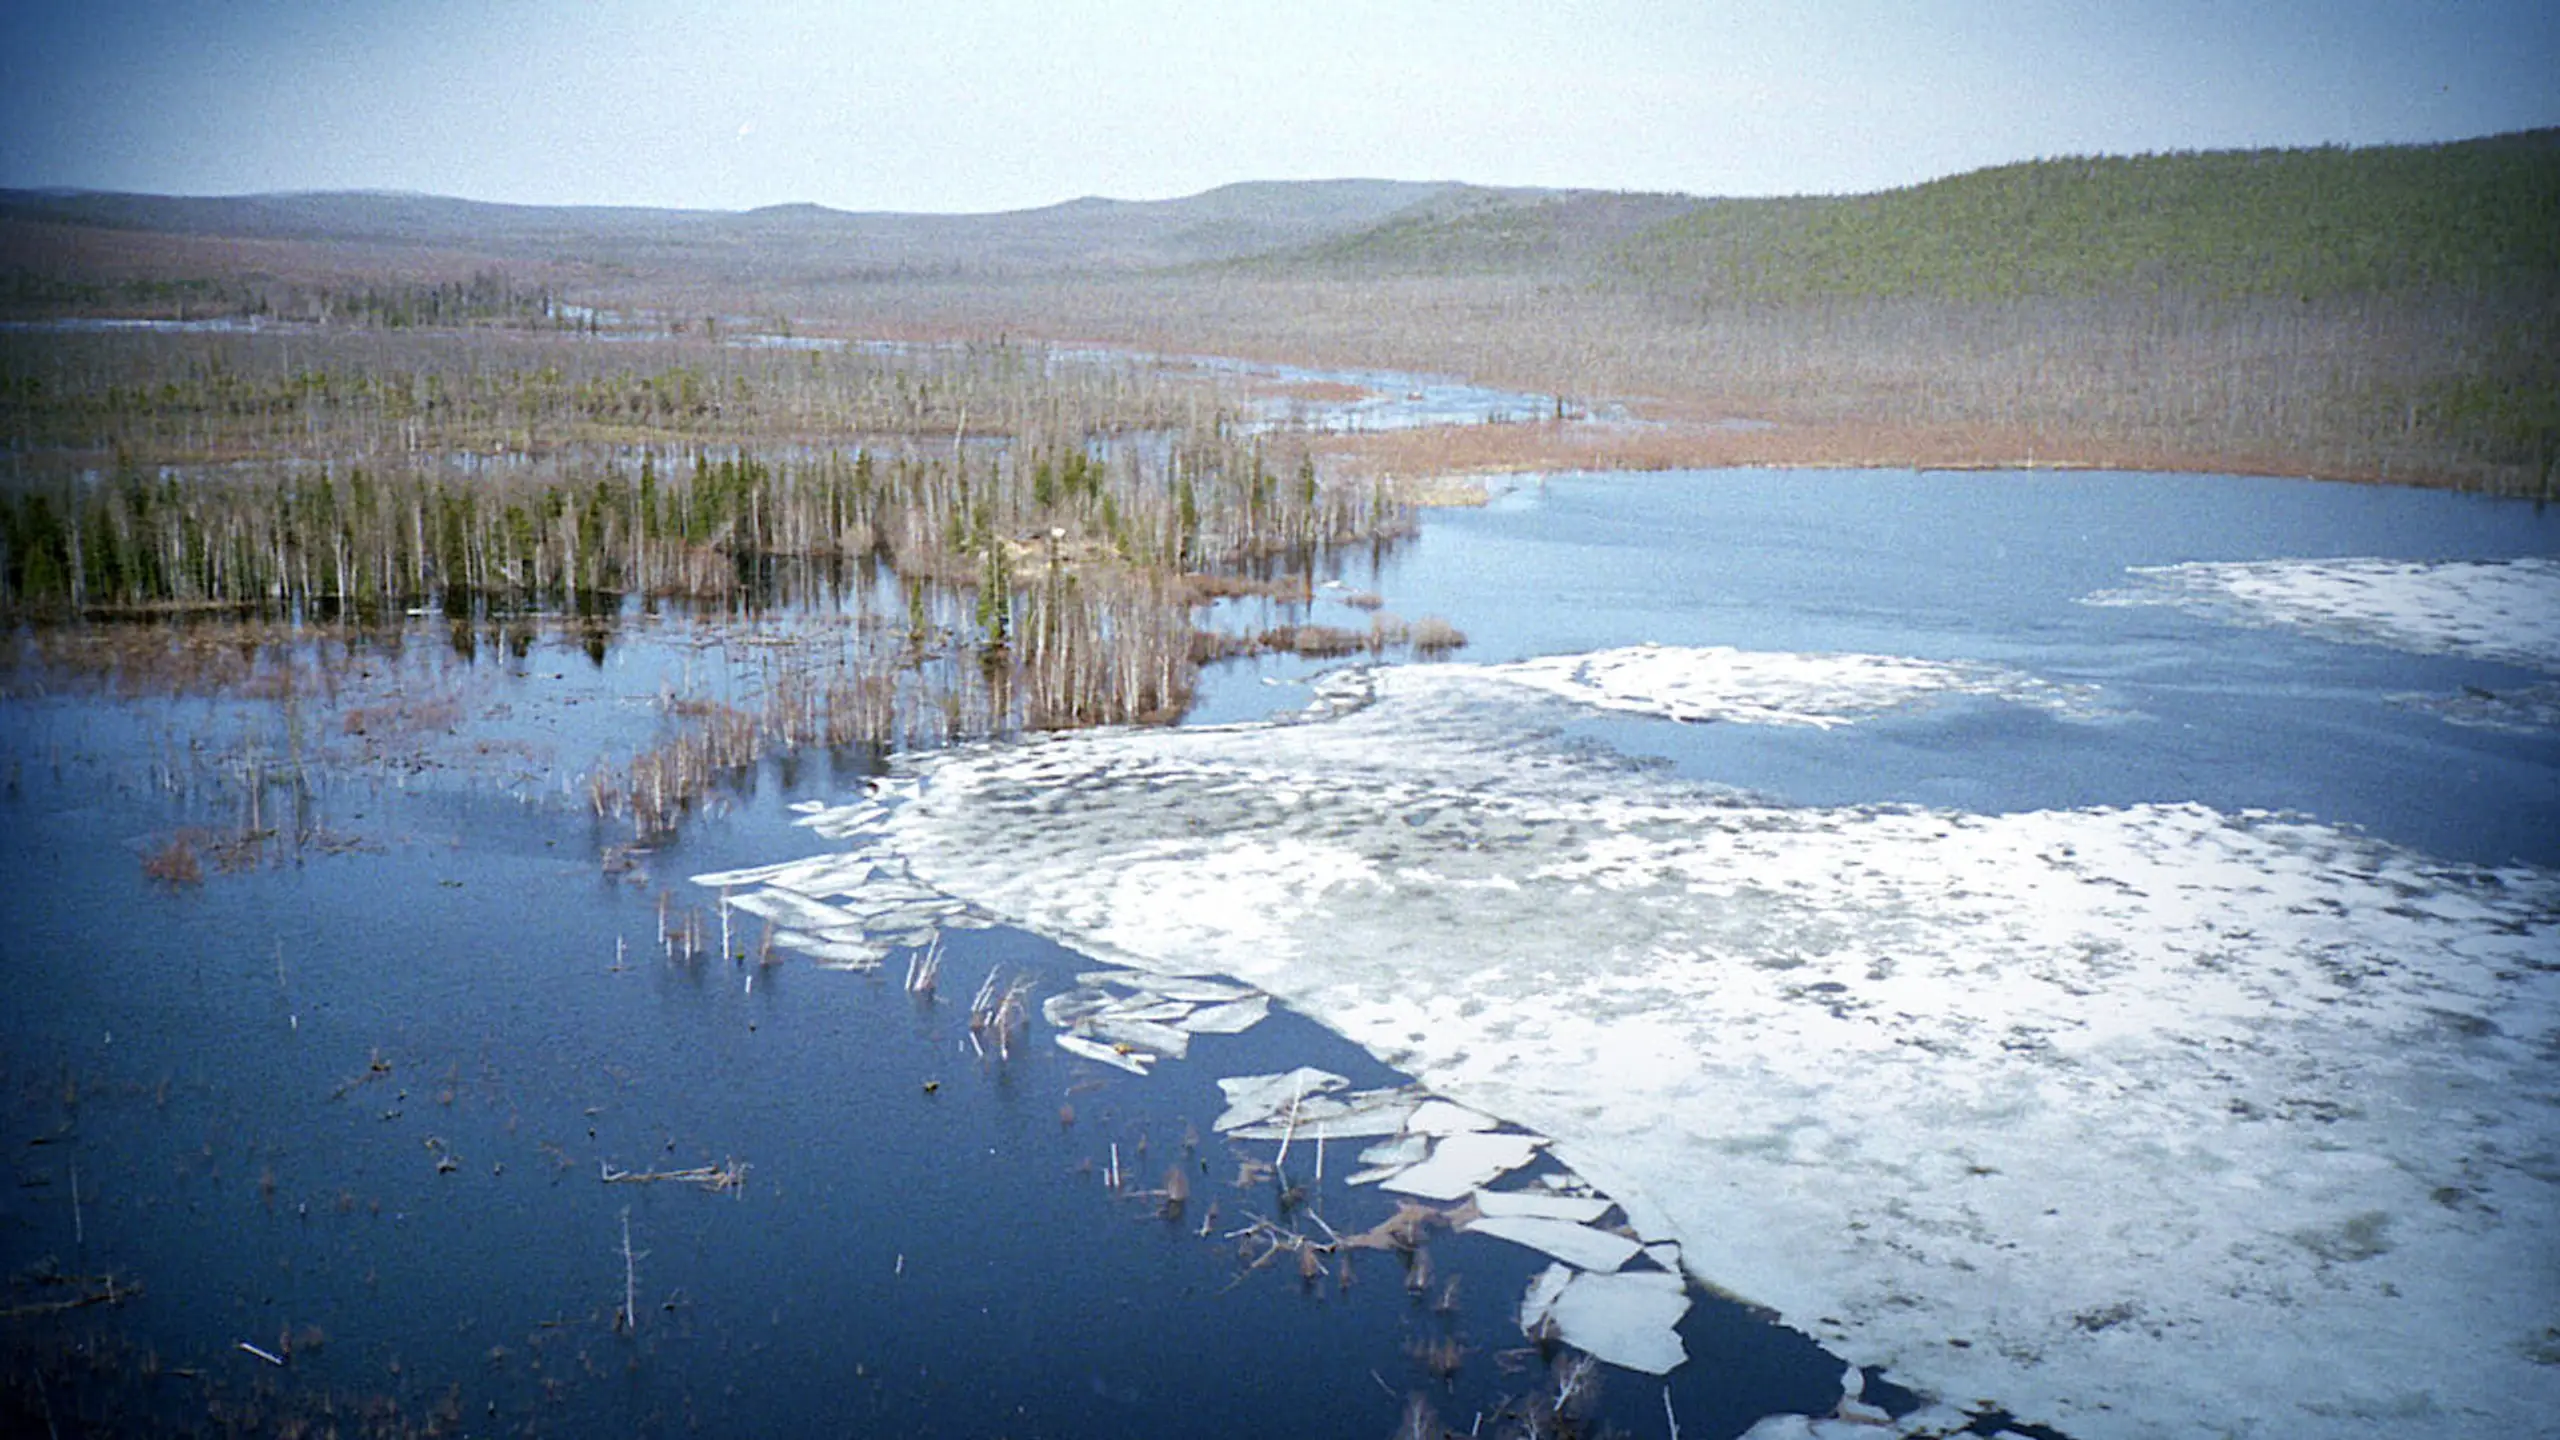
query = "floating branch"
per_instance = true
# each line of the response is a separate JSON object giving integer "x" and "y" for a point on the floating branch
{"x": 1275, "y": 1240}
{"x": 728, "y": 1175}
{"x": 90, "y": 1290}
{"x": 629, "y": 1320}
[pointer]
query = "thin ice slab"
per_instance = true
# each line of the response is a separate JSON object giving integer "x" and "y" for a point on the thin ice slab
{"x": 1391, "y": 1158}
{"x": 1443, "y": 1117}
{"x": 798, "y": 912}
{"x": 1573, "y": 1209}
{"x": 1143, "y": 1006}
{"x": 1340, "y": 1117}
{"x": 760, "y": 874}
{"x": 1133, "y": 1061}
{"x": 1067, "y": 1007}
{"x": 1234, "y": 1017}
{"x": 833, "y": 954}
{"x": 1122, "y": 1029}
{"x": 1172, "y": 987}
{"x": 1255, "y": 1098}
{"x": 1540, "y": 1301}
{"x": 1578, "y": 1245}
{"x": 1460, "y": 1163}
{"x": 1629, "y": 1319}
{"x": 824, "y": 875}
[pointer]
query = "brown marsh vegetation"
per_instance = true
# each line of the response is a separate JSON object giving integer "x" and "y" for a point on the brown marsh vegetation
{"x": 950, "y": 541}
{"x": 2387, "y": 387}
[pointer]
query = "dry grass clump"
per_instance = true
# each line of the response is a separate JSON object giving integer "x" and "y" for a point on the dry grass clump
{"x": 402, "y": 716}
{"x": 1200, "y": 589}
{"x": 1316, "y": 641}
{"x": 662, "y": 783}
{"x": 1208, "y": 647}
{"x": 1432, "y": 635}
{"x": 1316, "y": 392}
{"x": 174, "y": 863}
{"x": 180, "y": 860}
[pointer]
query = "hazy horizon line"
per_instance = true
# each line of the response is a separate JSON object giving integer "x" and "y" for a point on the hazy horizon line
{"x": 388, "y": 193}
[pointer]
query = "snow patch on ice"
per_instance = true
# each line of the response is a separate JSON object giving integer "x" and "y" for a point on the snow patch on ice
{"x": 1763, "y": 687}
{"x": 2503, "y": 610}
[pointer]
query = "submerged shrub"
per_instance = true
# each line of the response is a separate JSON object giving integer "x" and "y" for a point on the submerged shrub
{"x": 174, "y": 863}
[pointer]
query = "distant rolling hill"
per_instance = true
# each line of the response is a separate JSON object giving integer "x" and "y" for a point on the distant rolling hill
{"x": 2471, "y": 215}
{"x": 2478, "y": 213}
{"x": 2475, "y": 216}
{"x": 797, "y": 241}
{"x": 1474, "y": 231}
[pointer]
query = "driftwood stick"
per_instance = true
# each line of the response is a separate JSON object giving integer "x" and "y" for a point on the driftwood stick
{"x": 630, "y": 1279}
{"x": 729, "y": 1175}
{"x": 96, "y": 1290}
{"x": 1289, "y": 1132}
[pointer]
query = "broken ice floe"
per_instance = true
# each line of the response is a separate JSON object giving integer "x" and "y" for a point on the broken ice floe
{"x": 1131, "y": 1018}
{"x": 1391, "y": 1157}
{"x": 1629, "y": 1318}
{"x": 1309, "y": 1102}
{"x": 2507, "y": 611}
{"x": 1137, "y": 1012}
{"x": 1132, "y": 1061}
{"x": 1582, "y": 1246}
{"x": 1574, "y": 1209}
{"x": 844, "y": 910}
{"x": 1459, "y": 1163}
{"x": 852, "y": 954}
{"x": 1883, "y": 1069}
{"x": 1440, "y": 1117}
{"x": 2503, "y": 610}
{"x": 1763, "y": 687}
{"x": 1252, "y": 1099}
{"x": 1230, "y": 1017}
{"x": 782, "y": 907}
{"x": 1854, "y": 1421}
{"x": 1633, "y": 1325}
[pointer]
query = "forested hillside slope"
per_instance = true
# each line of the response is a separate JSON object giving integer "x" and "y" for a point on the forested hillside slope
{"x": 2370, "y": 313}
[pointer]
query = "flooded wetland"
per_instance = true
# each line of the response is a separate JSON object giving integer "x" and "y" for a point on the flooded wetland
{"x": 736, "y": 859}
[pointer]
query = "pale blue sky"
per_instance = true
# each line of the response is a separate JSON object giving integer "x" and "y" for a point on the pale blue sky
{"x": 995, "y": 104}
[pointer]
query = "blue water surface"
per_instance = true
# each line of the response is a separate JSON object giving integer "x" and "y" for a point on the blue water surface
{"x": 1995, "y": 567}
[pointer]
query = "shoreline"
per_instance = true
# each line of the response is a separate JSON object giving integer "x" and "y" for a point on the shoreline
{"x": 1437, "y": 455}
